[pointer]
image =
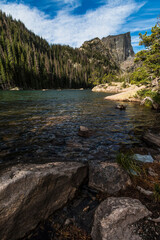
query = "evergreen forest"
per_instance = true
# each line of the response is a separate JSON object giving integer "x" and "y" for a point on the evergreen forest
{"x": 27, "y": 61}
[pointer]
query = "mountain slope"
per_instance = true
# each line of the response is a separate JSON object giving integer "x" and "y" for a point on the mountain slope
{"x": 29, "y": 62}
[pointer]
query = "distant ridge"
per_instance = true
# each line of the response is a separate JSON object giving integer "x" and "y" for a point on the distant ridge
{"x": 29, "y": 62}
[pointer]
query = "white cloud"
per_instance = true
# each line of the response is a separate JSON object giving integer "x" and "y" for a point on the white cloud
{"x": 73, "y": 30}
{"x": 70, "y": 5}
{"x": 141, "y": 25}
{"x": 137, "y": 26}
{"x": 135, "y": 41}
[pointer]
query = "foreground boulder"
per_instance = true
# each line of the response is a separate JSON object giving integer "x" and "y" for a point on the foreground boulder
{"x": 114, "y": 216}
{"x": 30, "y": 193}
{"x": 108, "y": 177}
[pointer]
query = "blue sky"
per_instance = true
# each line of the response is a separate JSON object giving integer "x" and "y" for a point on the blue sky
{"x": 72, "y": 22}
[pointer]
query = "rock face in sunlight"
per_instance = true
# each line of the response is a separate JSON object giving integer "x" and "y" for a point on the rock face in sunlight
{"x": 108, "y": 177}
{"x": 31, "y": 193}
{"x": 114, "y": 216}
{"x": 119, "y": 46}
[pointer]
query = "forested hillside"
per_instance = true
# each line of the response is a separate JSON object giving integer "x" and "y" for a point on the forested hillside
{"x": 29, "y": 62}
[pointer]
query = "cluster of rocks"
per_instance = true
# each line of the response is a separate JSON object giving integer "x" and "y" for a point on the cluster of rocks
{"x": 114, "y": 87}
{"x": 30, "y": 193}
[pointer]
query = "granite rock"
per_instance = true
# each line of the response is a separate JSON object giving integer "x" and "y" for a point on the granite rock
{"x": 107, "y": 177}
{"x": 31, "y": 193}
{"x": 114, "y": 217}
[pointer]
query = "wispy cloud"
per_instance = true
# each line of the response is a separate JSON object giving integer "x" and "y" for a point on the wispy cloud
{"x": 135, "y": 41}
{"x": 66, "y": 28}
{"x": 141, "y": 25}
{"x": 69, "y": 4}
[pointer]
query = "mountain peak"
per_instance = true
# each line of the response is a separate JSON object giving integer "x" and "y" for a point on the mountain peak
{"x": 119, "y": 46}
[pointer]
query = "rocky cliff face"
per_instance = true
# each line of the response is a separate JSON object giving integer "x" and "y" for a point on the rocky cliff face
{"x": 119, "y": 46}
{"x": 96, "y": 45}
{"x": 116, "y": 48}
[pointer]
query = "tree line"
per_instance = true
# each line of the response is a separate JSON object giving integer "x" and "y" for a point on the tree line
{"x": 29, "y": 62}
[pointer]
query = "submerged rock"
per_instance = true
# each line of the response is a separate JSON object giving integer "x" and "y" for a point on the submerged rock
{"x": 31, "y": 193}
{"x": 121, "y": 107}
{"x": 84, "y": 132}
{"x": 114, "y": 216}
{"x": 108, "y": 177}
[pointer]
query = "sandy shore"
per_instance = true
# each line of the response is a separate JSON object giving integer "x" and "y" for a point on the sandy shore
{"x": 127, "y": 96}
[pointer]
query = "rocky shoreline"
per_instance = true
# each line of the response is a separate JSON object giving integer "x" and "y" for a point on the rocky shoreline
{"x": 120, "y": 93}
{"x": 68, "y": 200}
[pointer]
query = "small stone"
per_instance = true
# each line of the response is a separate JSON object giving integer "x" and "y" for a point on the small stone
{"x": 86, "y": 209}
{"x": 145, "y": 192}
{"x": 68, "y": 222}
{"x": 39, "y": 151}
{"x": 152, "y": 172}
{"x": 83, "y": 132}
{"x": 143, "y": 158}
{"x": 120, "y": 107}
{"x": 157, "y": 158}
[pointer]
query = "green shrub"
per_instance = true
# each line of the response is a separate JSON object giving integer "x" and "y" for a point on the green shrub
{"x": 109, "y": 78}
{"x": 140, "y": 76}
{"x": 149, "y": 93}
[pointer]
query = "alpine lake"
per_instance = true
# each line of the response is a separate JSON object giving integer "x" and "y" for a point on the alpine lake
{"x": 42, "y": 126}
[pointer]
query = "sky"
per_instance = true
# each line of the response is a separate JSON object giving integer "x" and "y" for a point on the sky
{"x": 71, "y": 22}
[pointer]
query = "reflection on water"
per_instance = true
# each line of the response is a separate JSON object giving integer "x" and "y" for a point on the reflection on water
{"x": 37, "y": 126}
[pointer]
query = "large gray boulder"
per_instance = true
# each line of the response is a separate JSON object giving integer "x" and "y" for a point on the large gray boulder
{"x": 113, "y": 219}
{"x": 108, "y": 177}
{"x": 30, "y": 193}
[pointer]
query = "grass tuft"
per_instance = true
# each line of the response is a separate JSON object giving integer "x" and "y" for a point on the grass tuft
{"x": 127, "y": 162}
{"x": 157, "y": 192}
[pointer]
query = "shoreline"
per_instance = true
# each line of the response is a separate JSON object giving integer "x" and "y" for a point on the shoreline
{"x": 120, "y": 93}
